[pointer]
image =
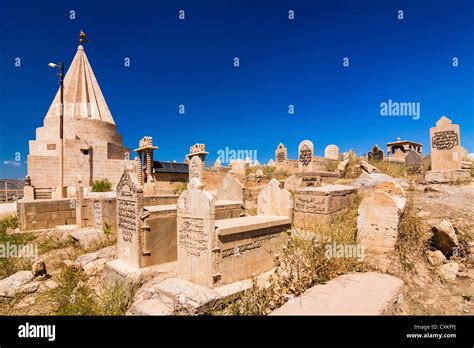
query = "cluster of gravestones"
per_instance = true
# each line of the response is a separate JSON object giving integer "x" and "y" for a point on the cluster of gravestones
{"x": 215, "y": 243}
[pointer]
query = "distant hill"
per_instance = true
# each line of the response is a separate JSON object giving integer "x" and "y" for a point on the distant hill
{"x": 13, "y": 184}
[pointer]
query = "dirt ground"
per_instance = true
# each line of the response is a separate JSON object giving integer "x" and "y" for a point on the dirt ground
{"x": 426, "y": 293}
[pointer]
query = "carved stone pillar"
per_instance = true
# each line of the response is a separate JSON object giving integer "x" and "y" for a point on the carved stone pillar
{"x": 149, "y": 166}
{"x": 139, "y": 170}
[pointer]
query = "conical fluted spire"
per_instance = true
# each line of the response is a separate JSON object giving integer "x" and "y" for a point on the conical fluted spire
{"x": 82, "y": 94}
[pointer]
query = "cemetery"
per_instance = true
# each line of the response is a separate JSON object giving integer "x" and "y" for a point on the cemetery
{"x": 193, "y": 238}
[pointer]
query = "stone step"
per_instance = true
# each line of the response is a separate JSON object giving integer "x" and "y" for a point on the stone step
{"x": 351, "y": 294}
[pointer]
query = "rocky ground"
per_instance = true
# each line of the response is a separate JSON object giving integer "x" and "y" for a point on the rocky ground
{"x": 428, "y": 289}
{"x": 428, "y": 293}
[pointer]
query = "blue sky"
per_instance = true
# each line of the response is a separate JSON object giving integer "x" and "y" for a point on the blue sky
{"x": 282, "y": 62}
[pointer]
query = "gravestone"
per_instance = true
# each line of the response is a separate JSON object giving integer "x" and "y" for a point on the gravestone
{"x": 413, "y": 160}
{"x": 239, "y": 167}
{"x": 217, "y": 164}
{"x": 293, "y": 183}
{"x": 273, "y": 200}
{"x": 281, "y": 153}
{"x": 98, "y": 215}
{"x": 196, "y": 168}
{"x": 231, "y": 189}
{"x": 129, "y": 223}
{"x": 305, "y": 155}
{"x": 378, "y": 221}
{"x": 318, "y": 205}
{"x": 376, "y": 154}
{"x": 196, "y": 225}
{"x": 445, "y": 143}
{"x": 446, "y": 154}
{"x": 331, "y": 152}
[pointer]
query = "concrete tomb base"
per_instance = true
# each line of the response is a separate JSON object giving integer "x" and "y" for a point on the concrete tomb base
{"x": 351, "y": 294}
{"x": 448, "y": 176}
{"x": 321, "y": 205}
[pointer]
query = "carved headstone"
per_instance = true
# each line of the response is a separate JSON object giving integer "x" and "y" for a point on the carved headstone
{"x": 413, "y": 160}
{"x": 196, "y": 226}
{"x": 305, "y": 153}
{"x": 239, "y": 167}
{"x": 331, "y": 152}
{"x": 376, "y": 154}
{"x": 129, "y": 223}
{"x": 196, "y": 168}
{"x": 378, "y": 221}
{"x": 320, "y": 204}
{"x": 293, "y": 183}
{"x": 231, "y": 189}
{"x": 273, "y": 200}
{"x": 98, "y": 218}
{"x": 446, "y": 152}
{"x": 281, "y": 153}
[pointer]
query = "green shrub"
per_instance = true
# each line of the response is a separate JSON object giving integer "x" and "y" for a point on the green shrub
{"x": 101, "y": 186}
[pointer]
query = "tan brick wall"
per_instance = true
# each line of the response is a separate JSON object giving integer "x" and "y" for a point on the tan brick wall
{"x": 42, "y": 214}
{"x": 79, "y": 134}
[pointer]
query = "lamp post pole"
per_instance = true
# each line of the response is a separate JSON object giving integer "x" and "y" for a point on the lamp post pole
{"x": 61, "y": 132}
{"x": 61, "y": 126}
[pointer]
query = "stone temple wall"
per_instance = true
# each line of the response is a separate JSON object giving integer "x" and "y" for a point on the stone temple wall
{"x": 80, "y": 136}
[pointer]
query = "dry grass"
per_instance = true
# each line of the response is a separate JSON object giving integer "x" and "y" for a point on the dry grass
{"x": 11, "y": 265}
{"x": 74, "y": 297}
{"x": 302, "y": 265}
{"x": 394, "y": 169}
{"x": 331, "y": 165}
{"x": 353, "y": 170}
{"x": 412, "y": 242}
{"x": 180, "y": 187}
{"x": 50, "y": 242}
{"x": 267, "y": 170}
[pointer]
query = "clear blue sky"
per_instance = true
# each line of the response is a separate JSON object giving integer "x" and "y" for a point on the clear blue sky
{"x": 282, "y": 62}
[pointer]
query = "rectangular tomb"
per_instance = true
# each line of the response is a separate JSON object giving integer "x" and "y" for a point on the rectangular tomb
{"x": 217, "y": 252}
{"x": 248, "y": 246}
{"x": 318, "y": 205}
{"x": 159, "y": 241}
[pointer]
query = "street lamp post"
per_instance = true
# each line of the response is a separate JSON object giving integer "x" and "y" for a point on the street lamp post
{"x": 61, "y": 126}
